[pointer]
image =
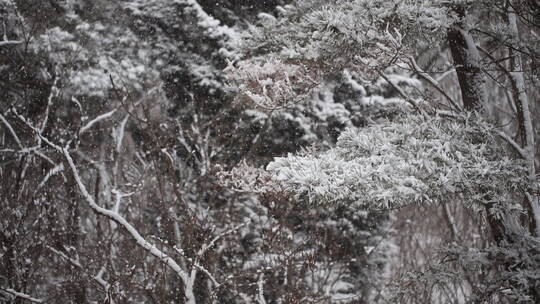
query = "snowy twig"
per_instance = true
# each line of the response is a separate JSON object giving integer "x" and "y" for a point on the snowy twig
{"x": 434, "y": 83}
{"x": 40, "y": 137}
{"x": 75, "y": 262}
{"x": 10, "y": 42}
{"x": 451, "y": 221}
{"x": 401, "y": 92}
{"x": 54, "y": 93}
{"x": 97, "y": 119}
{"x": 210, "y": 244}
{"x": 141, "y": 241}
{"x": 37, "y": 131}
{"x": 260, "y": 289}
{"x": 119, "y": 134}
{"x": 100, "y": 280}
{"x": 208, "y": 274}
{"x": 11, "y": 130}
{"x": 21, "y": 295}
{"x": 514, "y": 144}
{"x": 119, "y": 195}
{"x": 53, "y": 171}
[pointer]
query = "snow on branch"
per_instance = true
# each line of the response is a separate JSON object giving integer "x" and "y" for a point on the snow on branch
{"x": 260, "y": 289}
{"x": 54, "y": 93}
{"x": 141, "y": 241}
{"x": 55, "y": 170}
{"x": 433, "y": 82}
{"x": 96, "y": 120}
{"x": 522, "y": 153}
{"x": 213, "y": 27}
{"x": 10, "y": 42}
{"x": 401, "y": 92}
{"x": 21, "y": 295}
{"x": 410, "y": 160}
{"x": 75, "y": 262}
{"x": 212, "y": 242}
{"x": 11, "y": 130}
{"x": 270, "y": 84}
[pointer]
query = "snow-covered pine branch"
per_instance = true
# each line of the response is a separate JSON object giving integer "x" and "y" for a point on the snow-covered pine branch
{"x": 406, "y": 161}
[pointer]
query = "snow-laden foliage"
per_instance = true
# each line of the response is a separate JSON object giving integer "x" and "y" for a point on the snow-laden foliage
{"x": 92, "y": 55}
{"x": 317, "y": 32}
{"x": 270, "y": 84}
{"x": 301, "y": 49}
{"x": 412, "y": 159}
{"x": 415, "y": 159}
{"x": 335, "y": 252}
{"x": 211, "y": 27}
{"x": 194, "y": 47}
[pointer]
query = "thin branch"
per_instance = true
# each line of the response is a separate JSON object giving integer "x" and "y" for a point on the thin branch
{"x": 505, "y": 42}
{"x": 5, "y": 30}
{"x": 210, "y": 244}
{"x": 75, "y": 262}
{"x": 445, "y": 74}
{"x": 37, "y": 131}
{"x": 401, "y": 92}
{"x": 434, "y": 83}
{"x": 122, "y": 100}
{"x": 514, "y": 144}
{"x": 11, "y": 130}
{"x": 141, "y": 241}
{"x": 10, "y": 42}
{"x": 57, "y": 169}
{"x": 21, "y": 295}
{"x": 99, "y": 279}
{"x": 208, "y": 274}
{"x": 500, "y": 66}
{"x": 451, "y": 221}
{"x": 119, "y": 134}
{"x": 260, "y": 289}
{"x": 54, "y": 93}
{"x": 96, "y": 120}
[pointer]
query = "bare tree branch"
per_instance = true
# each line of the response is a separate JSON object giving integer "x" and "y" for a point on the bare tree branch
{"x": 21, "y": 295}
{"x": 514, "y": 144}
{"x": 96, "y": 120}
{"x": 10, "y": 42}
{"x": 141, "y": 241}
{"x": 434, "y": 83}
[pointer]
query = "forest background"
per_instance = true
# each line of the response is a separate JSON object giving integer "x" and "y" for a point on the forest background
{"x": 193, "y": 151}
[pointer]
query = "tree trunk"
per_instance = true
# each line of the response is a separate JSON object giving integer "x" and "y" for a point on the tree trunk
{"x": 526, "y": 127}
{"x": 467, "y": 62}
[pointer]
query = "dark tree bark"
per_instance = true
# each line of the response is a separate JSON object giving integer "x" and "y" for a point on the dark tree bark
{"x": 467, "y": 63}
